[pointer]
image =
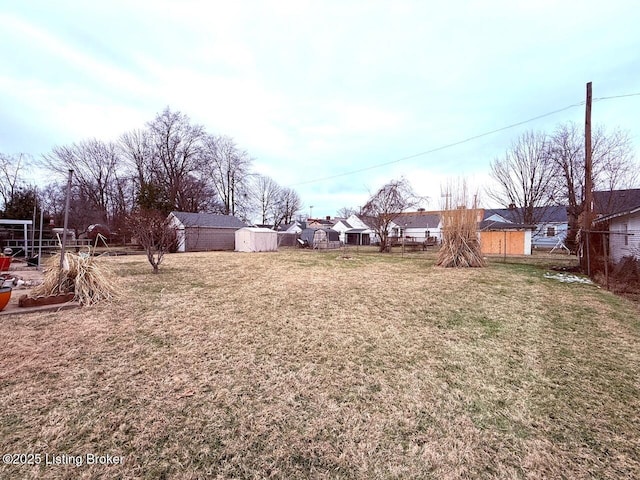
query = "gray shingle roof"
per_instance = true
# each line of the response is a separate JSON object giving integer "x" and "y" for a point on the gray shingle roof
{"x": 489, "y": 225}
{"x": 208, "y": 220}
{"x": 551, "y": 214}
{"x": 429, "y": 220}
{"x": 616, "y": 201}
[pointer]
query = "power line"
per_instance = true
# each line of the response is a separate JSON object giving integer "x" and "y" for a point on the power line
{"x": 617, "y": 96}
{"x": 459, "y": 142}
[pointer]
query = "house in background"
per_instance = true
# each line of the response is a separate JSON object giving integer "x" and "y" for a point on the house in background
{"x": 320, "y": 222}
{"x": 293, "y": 227}
{"x": 288, "y": 234}
{"x": 419, "y": 227}
{"x": 320, "y": 238}
{"x": 200, "y": 232}
{"x": 549, "y": 232}
{"x": 350, "y": 235}
{"x": 361, "y": 232}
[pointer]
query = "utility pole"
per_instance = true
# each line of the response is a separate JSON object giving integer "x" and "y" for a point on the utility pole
{"x": 588, "y": 185}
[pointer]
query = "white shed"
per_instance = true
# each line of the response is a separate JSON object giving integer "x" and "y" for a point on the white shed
{"x": 253, "y": 239}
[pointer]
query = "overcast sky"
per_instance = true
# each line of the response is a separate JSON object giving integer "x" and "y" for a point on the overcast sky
{"x": 316, "y": 89}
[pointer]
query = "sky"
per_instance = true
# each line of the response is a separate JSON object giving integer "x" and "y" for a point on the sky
{"x": 331, "y": 98}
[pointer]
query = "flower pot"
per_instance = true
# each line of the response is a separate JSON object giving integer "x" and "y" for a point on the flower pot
{"x": 5, "y": 295}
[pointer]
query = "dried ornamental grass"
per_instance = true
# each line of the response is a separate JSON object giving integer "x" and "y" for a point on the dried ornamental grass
{"x": 84, "y": 275}
{"x": 460, "y": 243}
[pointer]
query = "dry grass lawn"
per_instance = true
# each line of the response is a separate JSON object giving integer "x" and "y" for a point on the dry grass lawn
{"x": 302, "y": 364}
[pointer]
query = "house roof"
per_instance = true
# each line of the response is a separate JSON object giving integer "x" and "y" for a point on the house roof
{"x": 430, "y": 220}
{"x": 211, "y": 220}
{"x": 550, "y": 214}
{"x": 345, "y": 223}
{"x": 615, "y": 201}
{"x": 618, "y": 214}
{"x": 367, "y": 220}
{"x": 490, "y": 225}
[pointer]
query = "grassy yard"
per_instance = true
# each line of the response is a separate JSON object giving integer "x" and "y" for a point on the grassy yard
{"x": 302, "y": 364}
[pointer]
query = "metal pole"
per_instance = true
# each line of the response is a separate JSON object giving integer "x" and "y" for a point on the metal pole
{"x": 33, "y": 232}
{"x": 40, "y": 238}
{"x": 64, "y": 231}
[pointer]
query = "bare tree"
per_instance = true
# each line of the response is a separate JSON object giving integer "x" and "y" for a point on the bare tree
{"x": 137, "y": 149}
{"x": 154, "y": 233}
{"x": 178, "y": 154}
{"x": 614, "y": 167}
{"x": 265, "y": 195}
{"x": 288, "y": 205}
{"x": 94, "y": 164}
{"x": 52, "y": 199}
{"x": 228, "y": 169}
{"x": 346, "y": 212}
{"x": 11, "y": 167}
{"x": 386, "y": 204}
{"x": 525, "y": 177}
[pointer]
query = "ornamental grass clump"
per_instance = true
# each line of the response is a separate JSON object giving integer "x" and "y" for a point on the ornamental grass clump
{"x": 460, "y": 243}
{"x": 89, "y": 278}
{"x": 460, "y": 240}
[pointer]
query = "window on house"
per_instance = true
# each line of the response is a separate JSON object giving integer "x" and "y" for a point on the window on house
{"x": 625, "y": 231}
{"x": 551, "y": 231}
{"x": 427, "y": 234}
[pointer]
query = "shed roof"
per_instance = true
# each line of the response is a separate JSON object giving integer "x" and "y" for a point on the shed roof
{"x": 260, "y": 230}
{"x": 210, "y": 220}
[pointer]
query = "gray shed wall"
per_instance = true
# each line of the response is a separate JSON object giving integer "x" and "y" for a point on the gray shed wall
{"x": 202, "y": 239}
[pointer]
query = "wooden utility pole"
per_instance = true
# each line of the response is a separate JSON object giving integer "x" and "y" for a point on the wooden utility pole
{"x": 587, "y": 215}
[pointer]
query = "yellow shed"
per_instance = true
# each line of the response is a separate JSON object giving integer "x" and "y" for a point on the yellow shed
{"x": 499, "y": 238}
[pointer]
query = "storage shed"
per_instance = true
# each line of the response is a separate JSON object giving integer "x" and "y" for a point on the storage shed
{"x": 503, "y": 238}
{"x": 254, "y": 239}
{"x": 201, "y": 232}
{"x": 321, "y": 238}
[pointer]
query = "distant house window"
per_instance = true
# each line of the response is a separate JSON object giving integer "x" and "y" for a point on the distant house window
{"x": 427, "y": 234}
{"x": 625, "y": 231}
{"x": 551, "y": 231}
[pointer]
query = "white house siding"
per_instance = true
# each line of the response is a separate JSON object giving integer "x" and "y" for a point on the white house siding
{"x": 358, "y": 224}
{"x": 624, "y": 239}
{"x": 341, "y": 228}
{"x": 542, "y": 239}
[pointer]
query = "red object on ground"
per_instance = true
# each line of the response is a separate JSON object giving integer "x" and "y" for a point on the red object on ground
{"x": 4, "y": 262}
{"x": 5, "y": 295}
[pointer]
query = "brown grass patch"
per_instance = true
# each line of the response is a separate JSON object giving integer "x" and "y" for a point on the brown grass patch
{"x": 301, "y": 364}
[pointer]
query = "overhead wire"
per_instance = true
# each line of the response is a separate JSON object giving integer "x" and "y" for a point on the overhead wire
{"x": 459, "y": 142}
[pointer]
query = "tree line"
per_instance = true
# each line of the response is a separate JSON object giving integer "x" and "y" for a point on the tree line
{"x": 170, "y": 164}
